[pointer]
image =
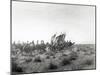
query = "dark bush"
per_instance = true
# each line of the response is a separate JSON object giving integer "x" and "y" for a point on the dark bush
{"x": 52, "y": 66}
{"x": 73, "y": 56}
{"x": 37, "y": 59}
{"x": 65, "y": 62}
{"x": 16, "y": 68}
{"x": 28, "y": 60}
{"x": 48, "y": 57}
{"x": 88, "y": 62}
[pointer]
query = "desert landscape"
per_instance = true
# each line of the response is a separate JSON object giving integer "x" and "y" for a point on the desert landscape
{"x": 58, "y": 55}
{"x": 52, "y": 37}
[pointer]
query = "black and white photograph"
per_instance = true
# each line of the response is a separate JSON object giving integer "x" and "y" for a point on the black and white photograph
{"x": 52, "y": 37}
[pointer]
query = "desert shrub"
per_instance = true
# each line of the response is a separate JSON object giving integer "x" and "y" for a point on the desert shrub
{"x": 13, "y": 59}
{"x": 64, "y": 55}
{"x": 54, "y": 57}
{"x": 83, "y": 62}
{"x": 65, "y": 62}
{"x": 88, "y": 62}
{"x": 73, "y": 56}
{"x": 17, "y": 46}
{"x": 92, "y": 52}
{"x": 52, "y": 66}
{"x": 27, "y": 49}
{"x": 37, "y": 59}
{"x": 16, "y": 68}
{"x": 28, "y": 60}
{"x": 76, "y": 67}
{"x": 47, "y": 57}
{"x": 78, "y": 50}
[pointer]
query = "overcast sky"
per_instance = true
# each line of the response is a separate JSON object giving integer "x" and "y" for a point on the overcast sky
{"x": 39, "y": 21}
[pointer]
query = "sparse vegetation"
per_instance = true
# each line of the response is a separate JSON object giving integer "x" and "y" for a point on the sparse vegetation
{"x": 58, "y": 55}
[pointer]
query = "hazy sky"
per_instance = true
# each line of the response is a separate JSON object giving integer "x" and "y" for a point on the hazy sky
{"x": 39, "y": 21}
